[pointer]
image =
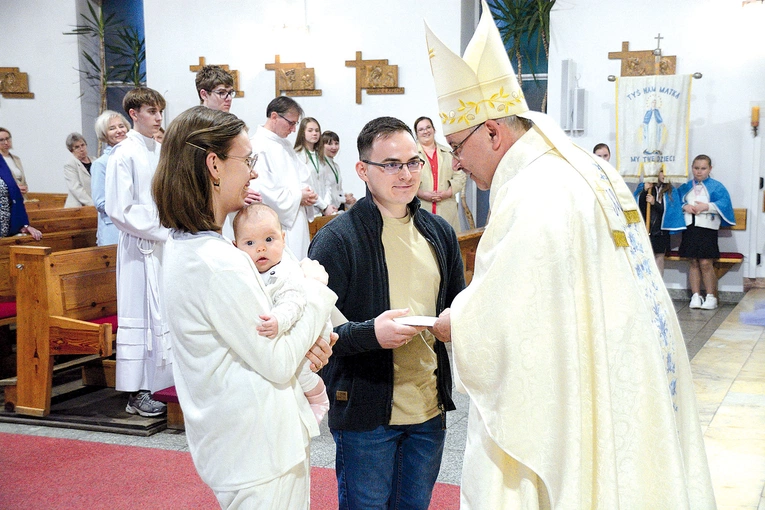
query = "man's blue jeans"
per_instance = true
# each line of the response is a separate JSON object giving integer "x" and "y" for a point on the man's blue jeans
{"x": 390, "y": 467}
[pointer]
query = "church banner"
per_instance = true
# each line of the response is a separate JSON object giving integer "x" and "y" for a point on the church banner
{"x": 652, "y": 119}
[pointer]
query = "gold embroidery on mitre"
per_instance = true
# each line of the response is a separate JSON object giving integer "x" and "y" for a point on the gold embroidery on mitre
{"x": 620, "y": 238}
{"x": 632, "y": 216}
{"x": 498, "y": 102}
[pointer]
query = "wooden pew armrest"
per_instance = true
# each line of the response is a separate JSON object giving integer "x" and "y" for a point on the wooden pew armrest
{"x": 73, "y": 336}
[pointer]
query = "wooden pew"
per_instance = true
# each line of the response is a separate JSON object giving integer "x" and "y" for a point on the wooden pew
{"x": 33, "y": 201}
{"x": 67, "y": 303}
{"x": 48, "y": 221}
{"x": 317, "y": 223}
{"x": 727, "y": 259}
{"x": 468, "y": 245}
{"x": 56, "y": 241}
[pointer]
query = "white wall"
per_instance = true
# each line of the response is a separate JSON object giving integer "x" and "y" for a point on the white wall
{"x": 720, "y": 39}
{"x": 32, "y": 39}
{"x": 246, "y": 35}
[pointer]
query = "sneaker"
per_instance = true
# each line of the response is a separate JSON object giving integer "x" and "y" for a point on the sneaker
{"x": 142, "y": 403}
{"x": 710, "y": 303}
{"x": 697, "y": 302}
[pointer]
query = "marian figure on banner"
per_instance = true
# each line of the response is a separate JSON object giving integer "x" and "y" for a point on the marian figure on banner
{"x": 654, "y": 132}
{"x": 652, "y": 127}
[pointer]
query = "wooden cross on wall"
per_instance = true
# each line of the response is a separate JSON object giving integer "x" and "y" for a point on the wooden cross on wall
{"x": 294, "y": 79}
{"x": 645, "y": 62}
{"x": 376, "y": 76}
{"x": 234, "y": 73}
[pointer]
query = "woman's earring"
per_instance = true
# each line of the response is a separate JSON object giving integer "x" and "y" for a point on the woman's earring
{"x": 216, "y": 182}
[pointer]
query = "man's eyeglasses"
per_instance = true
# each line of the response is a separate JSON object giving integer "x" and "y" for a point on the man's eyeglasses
{"x": 223, "y": 94}
{"x": 290, "y": 122}
{"x": 249, "y": 160}
{"x": 393, "y": 168}
{"x": 456, "y": 148}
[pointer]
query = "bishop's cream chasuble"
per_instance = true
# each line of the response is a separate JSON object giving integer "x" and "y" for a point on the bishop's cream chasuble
{"x": 568, "y": 344}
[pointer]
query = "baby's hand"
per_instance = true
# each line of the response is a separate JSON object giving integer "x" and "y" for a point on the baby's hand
{"x": 269, "y": 327}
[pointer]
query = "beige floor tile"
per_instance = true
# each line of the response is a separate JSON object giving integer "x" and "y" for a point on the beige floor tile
{"x": 738, "y": 471}
{"x": 738, "y": 422}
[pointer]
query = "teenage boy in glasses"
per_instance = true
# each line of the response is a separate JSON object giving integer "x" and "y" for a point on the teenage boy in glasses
{"x": 215, "y": 87}
{"x": 389, "y": 383}
{"x": 281, "y": 182}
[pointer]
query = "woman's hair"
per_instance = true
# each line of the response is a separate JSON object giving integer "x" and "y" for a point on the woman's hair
{"x": 300, "y": 140}
{"x": 326, "y": 137}
{"x": 601, "y": 146}
{"x": 182, "y": 186}
{"x": 72, "y": 139}
{"x": 102, "y": 124}
{"x": 2, "y": 129}
{"x": 420, "y": 119}
{"x": 703, "y": 157}
{"x": 664, "y": 188}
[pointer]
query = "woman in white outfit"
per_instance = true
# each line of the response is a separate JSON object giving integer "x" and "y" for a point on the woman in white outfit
{"x": 248, "y": 423}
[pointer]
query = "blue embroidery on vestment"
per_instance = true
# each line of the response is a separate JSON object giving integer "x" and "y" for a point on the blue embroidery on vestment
{"x": 651, "y": 283}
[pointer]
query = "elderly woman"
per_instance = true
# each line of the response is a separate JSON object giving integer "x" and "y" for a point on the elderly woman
{"x": 111, "y": 129}
{"x": 13, "y": 215}
{"x": 12, "y": 160}
{"x": 248, "y": 423}
{"x": 439, "y": 183}
{"x": 77, "y": 172}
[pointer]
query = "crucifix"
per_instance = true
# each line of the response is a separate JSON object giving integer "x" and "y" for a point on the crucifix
{"x": 294, "y": 79}
{"x": 644, "y": 62}
{"x": 234, "y": 73}
{"x": 376, "y": 76}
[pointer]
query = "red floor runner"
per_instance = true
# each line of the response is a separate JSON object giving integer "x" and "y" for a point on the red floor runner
{"x": 45, "y": 473}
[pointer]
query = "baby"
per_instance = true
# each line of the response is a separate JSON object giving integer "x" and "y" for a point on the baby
{"x": 259, "y": 234}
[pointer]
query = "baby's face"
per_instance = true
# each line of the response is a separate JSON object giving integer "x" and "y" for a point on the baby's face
{"x": 263, "y": 240}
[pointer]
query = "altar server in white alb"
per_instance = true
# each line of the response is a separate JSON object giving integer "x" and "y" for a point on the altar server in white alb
{"x": 144, "y": 359}
{"x": 280, "y": 172}
{"x": 579, "y": 382}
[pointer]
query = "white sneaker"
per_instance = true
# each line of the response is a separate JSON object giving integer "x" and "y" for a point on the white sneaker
{"x": 710, "y": 303}
{"x": 697, "y": 302}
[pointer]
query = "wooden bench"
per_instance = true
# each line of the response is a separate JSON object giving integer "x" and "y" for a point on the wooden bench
{"x": 174, "y": 411}
{"x": 67, "y": 304}
{"x": 56, "y": 241}
{"x": 34, "y": 201}
{"x": 49, "y": 221}
{"x": 727, "y": 259}
{"x": 317, "y": 223}
{"x": 468, "y": 245}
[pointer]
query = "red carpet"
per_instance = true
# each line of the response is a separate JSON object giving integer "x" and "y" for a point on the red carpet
{"x": 46, "y": 473}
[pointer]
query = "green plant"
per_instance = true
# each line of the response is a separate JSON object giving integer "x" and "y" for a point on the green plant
{"x": 132, "y": 51}
{"x": 524, "y": 24}
{"x": 129, "y": 49}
